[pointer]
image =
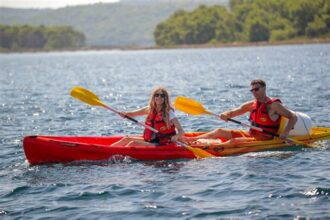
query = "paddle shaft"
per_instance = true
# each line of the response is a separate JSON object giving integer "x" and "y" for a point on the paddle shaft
{"x": 253, "y": 127}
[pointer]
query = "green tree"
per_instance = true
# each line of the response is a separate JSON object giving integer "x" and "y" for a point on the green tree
{"x": 256, "y": 25}
{"x": 30, "y": 37}
{"x": 234, "y": 3}
{"x": 226, "y": 27}
{"x": 6, "y": 39}
{"x": 302, "y": 12}
{"x": 281, "y": 29}
{"x": 316, "y": 28}
{"x": 257, "y": 31}
{"x": 63, "y": 37}
{"x": 248, "y": 20}
{"x": 325, "y": 13}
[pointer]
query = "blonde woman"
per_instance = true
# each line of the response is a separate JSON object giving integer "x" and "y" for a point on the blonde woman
{"x": 160, "y": 115}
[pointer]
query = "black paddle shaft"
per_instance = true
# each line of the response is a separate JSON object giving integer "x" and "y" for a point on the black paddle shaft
{"x": 130, "y": 118}
{"x": 266, "y": 132}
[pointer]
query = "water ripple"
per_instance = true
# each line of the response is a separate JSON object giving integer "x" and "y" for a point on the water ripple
{"x": 317, "y": 191}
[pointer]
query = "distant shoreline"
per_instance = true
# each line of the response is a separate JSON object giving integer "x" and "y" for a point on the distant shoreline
{"x": 237, "y": 44}
{"x": 194, "y": 46}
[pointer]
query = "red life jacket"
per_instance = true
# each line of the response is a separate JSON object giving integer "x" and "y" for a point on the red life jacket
{"x": 164, "y": 134}
{"x": 259, "y": 117}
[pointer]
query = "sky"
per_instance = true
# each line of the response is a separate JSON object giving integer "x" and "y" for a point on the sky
{"x": 48, "y": 3}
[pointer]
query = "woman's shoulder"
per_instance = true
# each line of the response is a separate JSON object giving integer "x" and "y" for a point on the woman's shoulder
{"x": 172, "y": 110}
{"x": 172, "y": 114}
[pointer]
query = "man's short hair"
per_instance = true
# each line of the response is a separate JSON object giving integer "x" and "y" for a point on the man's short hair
{"x": 258, "y": 81}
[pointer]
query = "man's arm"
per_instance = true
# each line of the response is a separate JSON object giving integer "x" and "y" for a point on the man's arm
{"x": 244, "y": 108}
{"x": 283, "y": 111}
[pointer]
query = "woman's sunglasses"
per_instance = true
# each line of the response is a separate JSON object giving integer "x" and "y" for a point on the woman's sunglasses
{"x": 161, "y": 95}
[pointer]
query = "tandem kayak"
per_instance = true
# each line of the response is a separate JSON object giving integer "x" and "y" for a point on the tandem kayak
{"x": 61, "y": 149}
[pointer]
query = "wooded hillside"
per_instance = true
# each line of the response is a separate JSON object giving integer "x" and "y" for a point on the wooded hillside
{"x": 127, "y": 23}
{"x": 246, "y": 21}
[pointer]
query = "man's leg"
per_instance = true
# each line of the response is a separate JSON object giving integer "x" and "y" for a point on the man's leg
{"x": 219, "y": 133}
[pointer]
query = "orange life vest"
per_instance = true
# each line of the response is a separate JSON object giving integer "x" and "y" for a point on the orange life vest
{"x": 164, "y": 133}
{"x": 259, "y": 117}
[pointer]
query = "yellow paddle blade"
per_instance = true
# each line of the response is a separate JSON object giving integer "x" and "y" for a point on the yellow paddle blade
{"x": 86, "y": 96}
{"x": 190, "y": 106}
{"x": 199, "y": 153}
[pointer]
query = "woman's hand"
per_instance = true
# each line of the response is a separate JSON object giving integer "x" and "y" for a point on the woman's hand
{"x": 174, "y": 138}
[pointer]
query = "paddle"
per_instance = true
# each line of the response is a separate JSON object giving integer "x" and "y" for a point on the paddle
{"x": 90, "y": 98}
{"x": 193, "y": 107}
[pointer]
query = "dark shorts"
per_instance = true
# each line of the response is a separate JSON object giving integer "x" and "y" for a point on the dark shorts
{"x": 154, "y": 141}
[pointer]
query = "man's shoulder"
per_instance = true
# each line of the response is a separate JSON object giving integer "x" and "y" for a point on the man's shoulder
{"x": 276, "y": 103}
{"x": 275, "y": 99}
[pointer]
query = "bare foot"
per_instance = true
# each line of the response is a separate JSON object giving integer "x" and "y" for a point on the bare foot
{"x": 208, "y": 141}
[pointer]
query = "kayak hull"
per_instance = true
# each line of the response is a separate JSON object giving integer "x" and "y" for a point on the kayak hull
{"x": 53, "y": 149}
{"x": 61, "y": 149}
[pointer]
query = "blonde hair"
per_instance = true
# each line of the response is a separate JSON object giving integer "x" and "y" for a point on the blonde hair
{"x": 166, "y": 106}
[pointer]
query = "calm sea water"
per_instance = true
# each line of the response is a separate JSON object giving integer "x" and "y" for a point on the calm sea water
{"x": 34, "y": 99}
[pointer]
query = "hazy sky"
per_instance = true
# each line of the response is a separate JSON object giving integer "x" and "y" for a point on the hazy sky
{"x": 48, "y": 3}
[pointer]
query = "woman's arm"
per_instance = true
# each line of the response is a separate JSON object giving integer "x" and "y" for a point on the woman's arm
{"x": 179, "y": 128}
{"x": 135, "y": 113}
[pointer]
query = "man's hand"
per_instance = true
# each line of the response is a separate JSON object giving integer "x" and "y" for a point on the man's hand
{"x": 284, "y": 136}
{"x": 225, "y": 116}
{"x": 122, "y": 114}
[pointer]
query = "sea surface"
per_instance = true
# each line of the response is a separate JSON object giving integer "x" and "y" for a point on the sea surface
{"x": 35, "y": 99}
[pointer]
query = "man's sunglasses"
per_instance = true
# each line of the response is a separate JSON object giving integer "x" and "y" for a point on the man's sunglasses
{"x": 255, "y": 89}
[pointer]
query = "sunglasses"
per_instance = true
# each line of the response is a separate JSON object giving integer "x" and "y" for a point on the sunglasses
{"x": 161, "y": 95}
{"x": 255, "y": 89}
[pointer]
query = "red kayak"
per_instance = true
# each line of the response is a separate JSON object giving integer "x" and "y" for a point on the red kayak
{"x": 56, "y": 149}
{"x": 50, "y": 149}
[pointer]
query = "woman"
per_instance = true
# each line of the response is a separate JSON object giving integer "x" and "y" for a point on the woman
{"x": 160, "y": 115}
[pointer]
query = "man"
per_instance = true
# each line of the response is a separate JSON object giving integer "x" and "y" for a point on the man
{"x": 265, "y": 112}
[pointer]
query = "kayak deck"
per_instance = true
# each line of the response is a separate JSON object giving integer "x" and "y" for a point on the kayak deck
{"x": 55, "y": 149}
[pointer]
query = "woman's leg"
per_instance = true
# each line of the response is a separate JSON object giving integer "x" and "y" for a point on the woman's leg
{"x": 240, "y": 136}
{"x": 126, "y": 140}
{"x": 140, "y": 143}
